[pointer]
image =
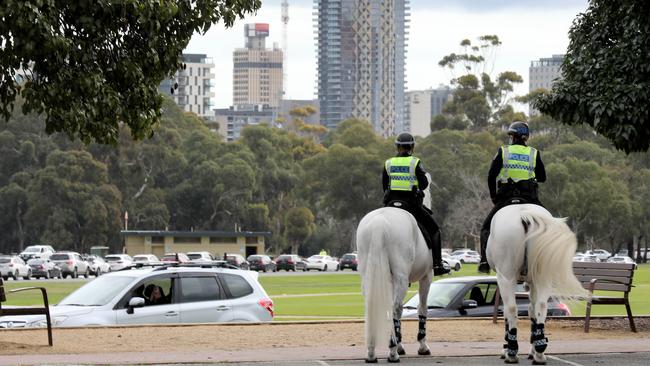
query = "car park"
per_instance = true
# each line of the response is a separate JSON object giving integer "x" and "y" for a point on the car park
{"x": 175, "y": 257}
{"x": 621, "y": 259}
{"x": 321, "y": 263}
{"x": 145, "y": 259}
{"x": 185, "y": 295}
{"x": 200, "y": 257}
{"x": 71, "y": 263}
{"x": 585, "y": 258}
{"x": 119, "y": 261}
{"x": 97, "y": 265}
{"x": 260, "y": 262}
{"x": 452, "y": 262}
{"x": 349, "y": 260}
{"x": 470, "y": 297}
{"x": 13, "y": 266}
{"x": 34, "y": 251}
{"x": 237, "y": 260}
{"x": 602, "y": 254}
{"x": 44, "y": 268}
{"x": 466, "y": 256}
{"x": 290, "y": 262}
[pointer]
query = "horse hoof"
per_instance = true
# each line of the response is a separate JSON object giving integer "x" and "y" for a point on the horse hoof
{"x": 401, "y": 352}
{"x": 539, "y": 362}
{"x": 511, "y": 360}
{"x": 368, "y": 360}
{"x": 530, "y": 356}
{"x": 424, "y": 353}
{"x": 393, "y": 360}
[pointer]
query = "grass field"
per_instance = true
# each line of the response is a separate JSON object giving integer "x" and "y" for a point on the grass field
{"x": 304, "y": 297}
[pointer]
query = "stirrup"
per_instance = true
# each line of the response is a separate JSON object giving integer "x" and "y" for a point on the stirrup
{"x": 484, "y": 267}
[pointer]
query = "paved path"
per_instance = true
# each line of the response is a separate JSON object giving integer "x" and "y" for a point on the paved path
{"x": 449, "y": 352}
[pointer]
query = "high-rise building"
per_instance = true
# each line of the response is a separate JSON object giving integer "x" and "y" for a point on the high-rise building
{"x": 422, "y": 106}
{"x": 195, "y": 82}
{"x": 361, "y": 53}
{"x": 542, "y": 73}
{"x": 232, "y": 120}
{"x": 257, "y": 73}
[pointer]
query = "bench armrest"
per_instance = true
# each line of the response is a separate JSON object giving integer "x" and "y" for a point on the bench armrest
{"x": 42, "y": 289}
{"x": 592, "y": 283}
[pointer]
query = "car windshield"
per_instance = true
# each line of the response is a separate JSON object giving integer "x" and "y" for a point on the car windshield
{"x": 5, "y": 260}
{"x": 98, "y": 292}
{"x": 195, "y": 256}
{"x": 33, "y": 261}
{"x": 440, "y": 295}
{"x": 254, "y": 258}
{"x": 316, "y": 257}
{"x": 458, "y": 252}
{"x": 58, "y": 257}
{"x": 32, "y": 250}
{"x": 113, "y": 258}
{"x": 140, "y": 258}
{"x": 284, "y": 257}
{"x": 349, "y": 256}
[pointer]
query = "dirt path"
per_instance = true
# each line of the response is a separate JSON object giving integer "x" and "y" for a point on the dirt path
{"x": 280, "y": 335}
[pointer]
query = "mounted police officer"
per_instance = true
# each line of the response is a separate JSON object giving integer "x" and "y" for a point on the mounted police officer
{"x": 513, "y": 177}
{"x": 403, "y": 181}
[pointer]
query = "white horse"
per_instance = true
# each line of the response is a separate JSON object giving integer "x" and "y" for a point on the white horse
{"x": 527, "y": 243}
{"x": 392, "y": 254}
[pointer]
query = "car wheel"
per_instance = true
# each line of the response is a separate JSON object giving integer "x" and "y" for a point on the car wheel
{"x": 354, "y": 268}
{"x": 75, "y": 274}
{"x": 324, "y": 268}
{"x": 87, "y": 273}
{"x": 98, "y": 272}
{"x": 457, "y": 267}
{"x": 29, "y": 275}
{"x": 264, "y": 268}
{"x": 47, "y": 275}
{"x": 304, "y": 269}
{"x": 15, "y": 275}
{"x": 5, "y": 278}
{"x": 462, "y": 261}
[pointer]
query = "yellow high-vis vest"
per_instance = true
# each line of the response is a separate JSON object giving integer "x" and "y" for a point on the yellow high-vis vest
{"x": 518, "y": 163}
{"x": 401, "y": 170}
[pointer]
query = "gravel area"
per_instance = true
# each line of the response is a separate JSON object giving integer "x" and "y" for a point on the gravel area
{"x": 282, "y": 335}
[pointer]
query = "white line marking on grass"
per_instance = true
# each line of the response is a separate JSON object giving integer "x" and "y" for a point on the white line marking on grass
{"x": 564, "y": 361}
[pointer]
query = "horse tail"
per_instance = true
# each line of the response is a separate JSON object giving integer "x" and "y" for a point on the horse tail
{"x": 376, "y": 282}
{"x": 551, "y": 246}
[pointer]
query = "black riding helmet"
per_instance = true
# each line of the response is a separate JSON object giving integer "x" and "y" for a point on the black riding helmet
{"x": 519, "y": 129}
{"x": 405, "y": 139}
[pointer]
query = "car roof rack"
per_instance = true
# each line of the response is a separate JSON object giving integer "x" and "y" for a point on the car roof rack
{"x": 160, "y": 266}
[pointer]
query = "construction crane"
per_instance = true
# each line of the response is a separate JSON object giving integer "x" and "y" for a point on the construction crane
{"x": 285, "y": 47}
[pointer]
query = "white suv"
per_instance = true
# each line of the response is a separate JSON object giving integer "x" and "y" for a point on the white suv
{"x": 160, "y": 295}
{"x": 36, "y": 251}
{"x": 200, "y": 257}
{"x": 466, "y": 256}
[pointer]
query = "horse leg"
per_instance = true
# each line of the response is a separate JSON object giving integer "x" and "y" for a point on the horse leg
{"x": 507, "y": 290}
{"x": 400, "y": 285}
{"x": 538, "y": 341}
{"x": 425, "y": 282}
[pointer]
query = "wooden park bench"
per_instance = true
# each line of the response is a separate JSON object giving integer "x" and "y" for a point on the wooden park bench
{"x": 613, "y": 277}
{"x": 45, "y": 310}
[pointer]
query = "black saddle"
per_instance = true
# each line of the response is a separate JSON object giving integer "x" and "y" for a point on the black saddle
{"x": 409, "y": 207}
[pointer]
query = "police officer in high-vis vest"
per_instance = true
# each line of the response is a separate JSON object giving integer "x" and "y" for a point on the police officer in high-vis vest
{"x": 404, "y": 179}
{"x": 513, "y": 177}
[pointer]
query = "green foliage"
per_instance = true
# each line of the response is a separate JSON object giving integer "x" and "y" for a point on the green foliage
{"x": 605, "y": 80}
{"x": 90, "y": 65}
{"x": 298, "y": 226}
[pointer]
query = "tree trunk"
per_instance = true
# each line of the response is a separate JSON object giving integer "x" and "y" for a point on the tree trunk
{"x": 20, "y": 233}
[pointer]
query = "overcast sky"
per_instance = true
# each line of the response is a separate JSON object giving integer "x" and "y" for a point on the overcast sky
{"x": 528, "y": 29}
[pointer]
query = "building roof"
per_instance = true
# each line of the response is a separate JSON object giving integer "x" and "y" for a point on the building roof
{"x": 193, "y": 234}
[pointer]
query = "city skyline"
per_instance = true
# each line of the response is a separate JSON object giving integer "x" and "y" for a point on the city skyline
{"x": 528, "y": 29}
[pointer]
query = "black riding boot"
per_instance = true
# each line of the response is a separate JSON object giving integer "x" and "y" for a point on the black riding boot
{"x": 483, "y": 266}
{"x": 436, "y": 251}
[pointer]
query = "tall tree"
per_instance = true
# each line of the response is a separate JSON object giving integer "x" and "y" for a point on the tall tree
{"x": 298, "y": 226}
{"x": 606, "y": 74}
{"x": 89, "y": 65}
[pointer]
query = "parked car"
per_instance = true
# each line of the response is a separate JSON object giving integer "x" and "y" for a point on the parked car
{"x": 33, "y": 251}
{"x": 602, "y": 254}
{"x": 472, "y": 296}
{"x": 145, "y": 259}
{"x": 322, "y": 263}
{"x": 622, "y": 253}
{"x": 238, "y": 261}
{"x": 119, "y": 261}
{"x": 185, "y": 295}
{"x": 290, "y": 262}
{"x": 71, "y": 263}
{"x": 97, "y": 265}
{"x": 200, "y": 257}
{"x": 585, "y": 258}
{"x": 452, "y": 262}
{"x": 44, "y": 268}
{"x": 260, "y": 262}
{"x": 466, "y": 256}
{"x": 13, "y": 266}
{"x": 349, "y": 260}
{"x": 621, "y": 259}
{"x": 175, "y": 257}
